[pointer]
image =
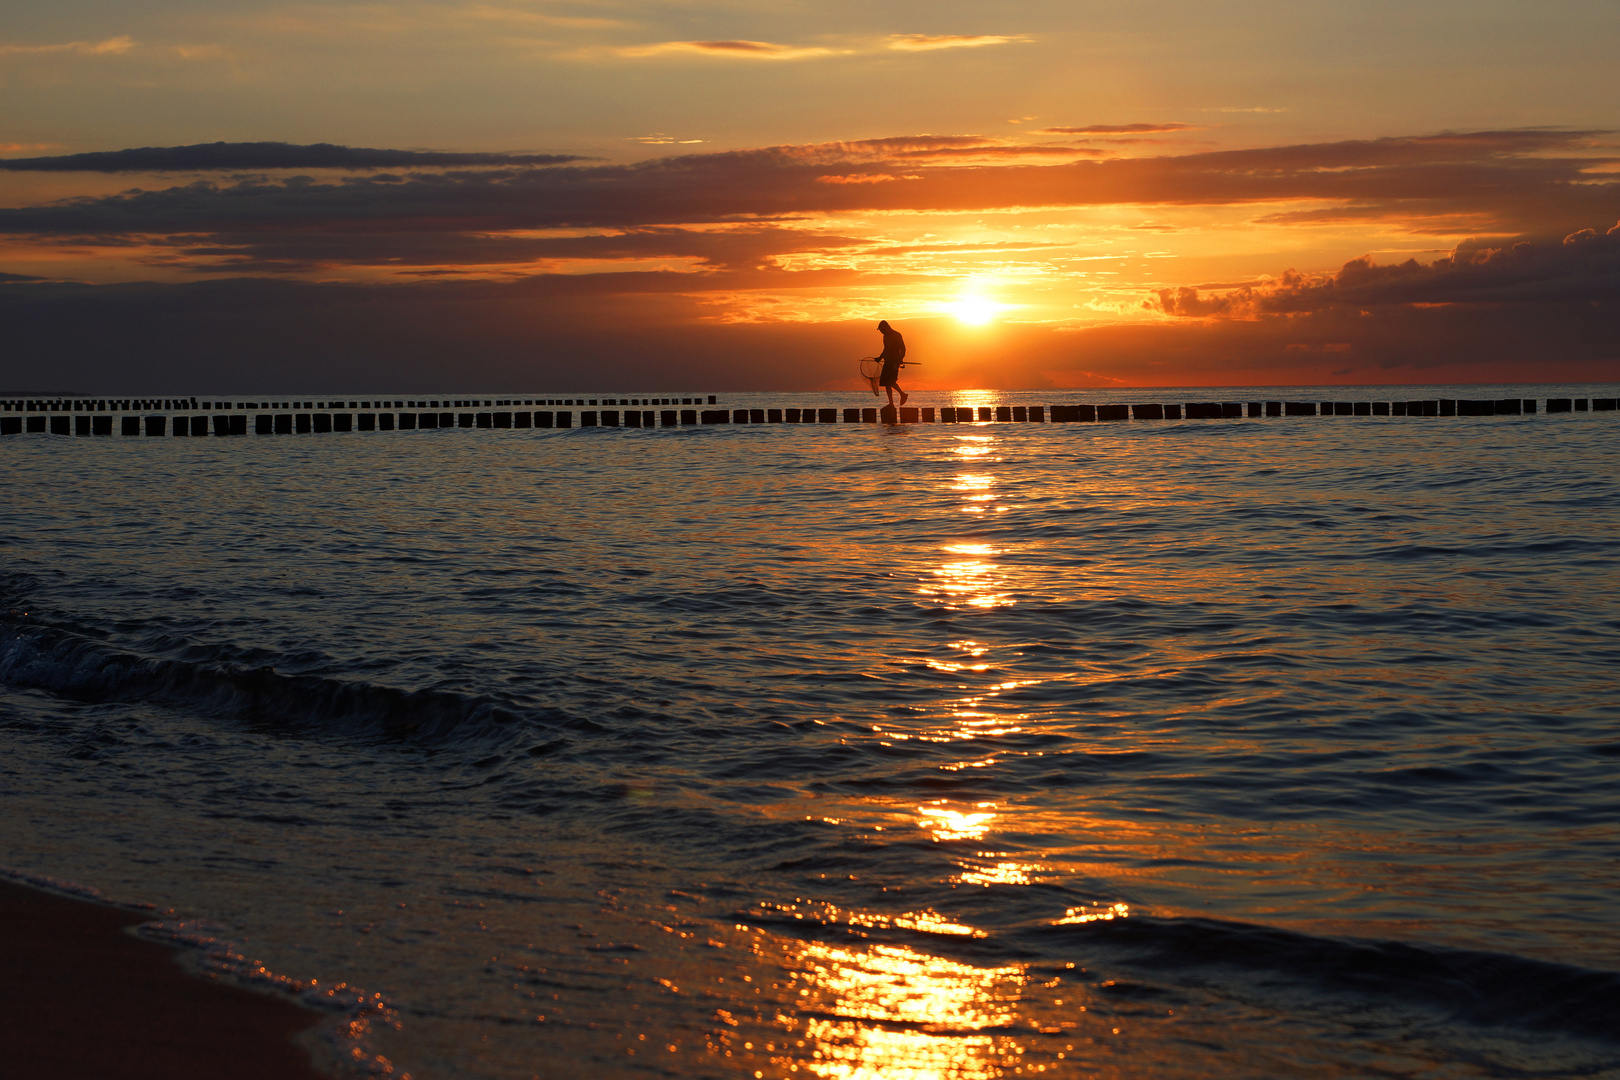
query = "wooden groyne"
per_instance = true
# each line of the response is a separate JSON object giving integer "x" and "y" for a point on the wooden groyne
{"x": 191, "y": 417}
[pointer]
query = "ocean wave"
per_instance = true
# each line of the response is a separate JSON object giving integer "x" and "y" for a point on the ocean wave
{"x": 1474, "y": 987}
{"x": 72, "y": 664}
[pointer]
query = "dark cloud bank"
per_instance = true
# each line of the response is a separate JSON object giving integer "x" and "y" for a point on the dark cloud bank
{"x": 233, "y": 157}
{"x": 1583, "y": 268}
{"x": 1526, "y": 181}
{"x": 1534, "y": 299}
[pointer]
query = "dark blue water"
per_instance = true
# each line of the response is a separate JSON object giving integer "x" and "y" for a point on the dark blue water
{"x": 1236, "y": 748}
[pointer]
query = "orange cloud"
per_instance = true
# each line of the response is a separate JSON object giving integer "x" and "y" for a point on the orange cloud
{"x": 1118, "y": 129}
{"x": 857, "y": 178}
{"x": 114, "y": 46}
{"x": 747, "y": 50}
{"x": 929, "y": 42}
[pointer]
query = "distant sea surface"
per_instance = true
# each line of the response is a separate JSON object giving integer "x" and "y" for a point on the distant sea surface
{"x": 1237, "y": 748}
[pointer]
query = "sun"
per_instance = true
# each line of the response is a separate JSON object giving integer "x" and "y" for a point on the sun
{"x": 974, "y": 310}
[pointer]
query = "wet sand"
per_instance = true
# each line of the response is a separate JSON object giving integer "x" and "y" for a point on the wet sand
{"x": 80, "y": 998}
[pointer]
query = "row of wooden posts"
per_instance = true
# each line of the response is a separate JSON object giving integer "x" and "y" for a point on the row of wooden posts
{"x": 290, "y": 423}
{"x": 145, "y": 405}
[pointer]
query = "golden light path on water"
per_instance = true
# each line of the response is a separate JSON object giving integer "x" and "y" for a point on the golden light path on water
{"x": 895, "y": 1011}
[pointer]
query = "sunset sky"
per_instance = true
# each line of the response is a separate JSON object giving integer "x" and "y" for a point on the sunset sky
{"x": 254, "y": 194}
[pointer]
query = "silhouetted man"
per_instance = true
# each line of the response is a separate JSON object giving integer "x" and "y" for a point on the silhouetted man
{"x": 894, "y": 352}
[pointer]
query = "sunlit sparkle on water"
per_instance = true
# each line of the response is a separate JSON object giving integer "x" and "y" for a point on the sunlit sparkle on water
{"x": 892, "y": 1011}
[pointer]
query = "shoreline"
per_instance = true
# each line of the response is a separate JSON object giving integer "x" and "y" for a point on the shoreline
{"x": 81, "y": 998}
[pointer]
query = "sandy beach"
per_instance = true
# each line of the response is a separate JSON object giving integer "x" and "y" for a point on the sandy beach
{"x": 82, "y": 998}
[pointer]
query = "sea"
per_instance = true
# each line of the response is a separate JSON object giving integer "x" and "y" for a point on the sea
{"x": 1257, "y": 748}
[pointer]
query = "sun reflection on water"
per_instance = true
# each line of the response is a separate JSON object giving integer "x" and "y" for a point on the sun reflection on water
{"x": 999, "y": 873}
{"x": 955, "y": 824}
{"x": 891, "y": 1012}
{"x": 1086, "y": 915}
{"x": 888, "y": 1011}
{"x": 970, "y": 577}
